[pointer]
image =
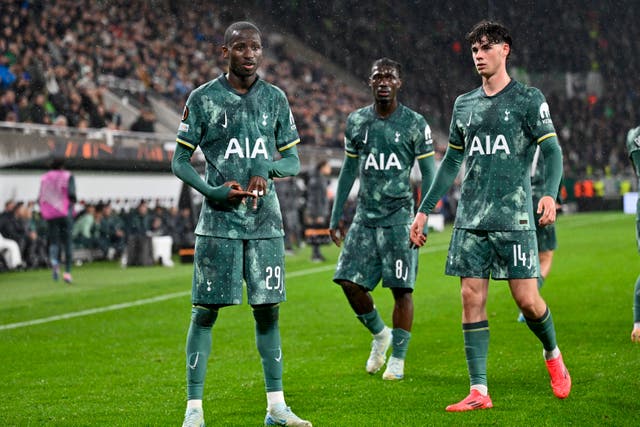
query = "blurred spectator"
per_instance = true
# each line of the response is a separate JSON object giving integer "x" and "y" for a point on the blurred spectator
{"x": 8, "y": 105}
{"x": 317, "y": 209}
{"x": 139, "y": 221}
{"x": 83, "y": 230}
{"x": 291, "y": 200}
{"x": 183, "y": 236}
{"x": 145, "y": 122}
{"x": 10, "y": 257}
{"x": 10, "y": 254}
{"x": 111, "y": 234}
{"x": 138, "y": 251}
{"x": 10, "y": 226}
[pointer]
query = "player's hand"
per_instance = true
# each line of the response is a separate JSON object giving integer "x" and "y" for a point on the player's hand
{"x": 237, "y": 194}
{"x": 416, "y": 234}
{"x": 258, "y": 187}
{"x": 547, "y": 211}
{"x": 337, "y": 235}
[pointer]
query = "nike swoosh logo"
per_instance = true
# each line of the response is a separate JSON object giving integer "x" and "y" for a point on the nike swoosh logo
{"x": 469, "y": 121}
{"x": 279, "y": 358}
{"x": 195, "y": 363}
{"x": 224, "y": 125}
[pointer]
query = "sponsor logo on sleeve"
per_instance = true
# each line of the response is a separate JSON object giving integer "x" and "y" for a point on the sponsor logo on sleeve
{"x": 545, "y": 115}
{"x": 292, "y": 121}
{"x": 427, "y": 135}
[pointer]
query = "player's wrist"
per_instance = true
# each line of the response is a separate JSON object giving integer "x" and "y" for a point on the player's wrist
{"x": 261, "y": 169}
{"x": 219, "y": 193}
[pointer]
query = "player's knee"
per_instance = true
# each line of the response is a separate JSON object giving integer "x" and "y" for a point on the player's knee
{"x": 204, "y": 316}
{"x": 350, "y": 289}
{"x": 402, "y": 294}
{"x": 531, "y": 306}
{"x": 471, "y": 295}
{"x": 266, "y": 314}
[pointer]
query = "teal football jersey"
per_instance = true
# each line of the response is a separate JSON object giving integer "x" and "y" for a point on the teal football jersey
{"x": 499, "y": 135}
{"x": 386, "y": 149}
{"x": 236, "y": 133}
{"x": 633, "y": 144}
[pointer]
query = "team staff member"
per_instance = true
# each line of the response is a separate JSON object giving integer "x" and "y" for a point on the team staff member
{"x": 57, "y": 197}
{"x": 240, "y": 123}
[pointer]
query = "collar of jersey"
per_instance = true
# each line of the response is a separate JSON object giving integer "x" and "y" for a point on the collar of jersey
{"x": 225, "y": 83}
{"x": 504, "y": 90}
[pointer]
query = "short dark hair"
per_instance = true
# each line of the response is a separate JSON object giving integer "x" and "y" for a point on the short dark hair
{"x": 386, "y": 62}
{"x": 239, "y": 26}
{"x": 493, "y": 31}
{"x": 57, "y": 163}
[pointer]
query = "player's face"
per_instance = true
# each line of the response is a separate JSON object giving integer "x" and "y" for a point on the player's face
{"x": 385, "y": 82}
{"x": 244, "y": 53}
{"x": 489, "y": 58}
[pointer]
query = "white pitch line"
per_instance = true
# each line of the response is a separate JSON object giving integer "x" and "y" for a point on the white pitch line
{"x": 93, "y": 311}
{"x": 159, "y": 298}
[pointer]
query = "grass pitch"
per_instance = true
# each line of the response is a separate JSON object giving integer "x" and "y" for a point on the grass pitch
{"x": 109, "y": 350}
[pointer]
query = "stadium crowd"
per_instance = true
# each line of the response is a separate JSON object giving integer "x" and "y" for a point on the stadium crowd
{"x": 101, "y": 230}
{"x": 55, "y": 75}
{"x": 582, "y": 37}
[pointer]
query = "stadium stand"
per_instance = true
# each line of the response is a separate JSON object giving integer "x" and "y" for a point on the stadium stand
{"x": 575, "y": 56}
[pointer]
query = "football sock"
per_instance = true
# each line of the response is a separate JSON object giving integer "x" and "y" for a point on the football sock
{"x": 483, "y": 389}
{"x": 400, "y": 343}
{"x": 636, "y": 302}
{"x": 548, "y": 355}
{"x": 198, "y": 349}
{"x": 275, "y": 398}
{"x": 372, "y": 321}
{"x": 194, "y": 403}
{"x": 476, "y": 348}
{"x": 268, "y": 343}
{"x": 544, "y": 330}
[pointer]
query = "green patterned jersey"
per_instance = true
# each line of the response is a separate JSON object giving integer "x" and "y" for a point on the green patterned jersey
{"x": 499, "y": 135}
{"x": 386, "y": 149}
{"x": 237, "y": 133}
{"x": 633, "y": 145}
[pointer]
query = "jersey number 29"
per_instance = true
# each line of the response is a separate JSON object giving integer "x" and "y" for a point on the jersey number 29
{"x": 273, "y": 281}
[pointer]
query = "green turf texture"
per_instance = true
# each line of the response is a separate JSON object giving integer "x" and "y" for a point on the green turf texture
{"x": 125, "y": 365}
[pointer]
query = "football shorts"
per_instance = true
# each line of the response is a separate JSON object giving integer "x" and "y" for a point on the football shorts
{"x": 220, "y": 266}
{"x": 493, "y": 254}
{"x": 370, "y": 254}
